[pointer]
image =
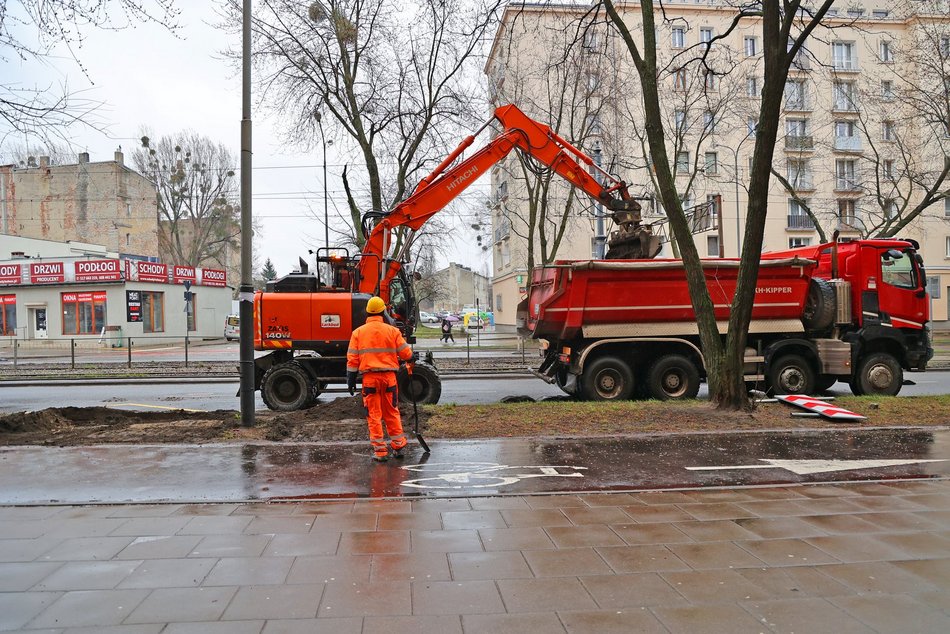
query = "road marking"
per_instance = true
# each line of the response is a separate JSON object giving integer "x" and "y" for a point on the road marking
{"x": 806, "y": 467}
{"x": 481, "y": 475}
{"x": 182, "y": 409}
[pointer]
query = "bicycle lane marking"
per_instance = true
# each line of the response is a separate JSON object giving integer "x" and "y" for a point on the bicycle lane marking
{"x": 481, "y": 475}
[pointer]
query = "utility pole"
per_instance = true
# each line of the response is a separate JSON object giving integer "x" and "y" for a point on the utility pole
{"x": 246, "y": 290}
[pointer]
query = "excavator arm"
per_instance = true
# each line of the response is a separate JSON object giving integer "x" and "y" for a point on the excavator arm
{"x": 446, "y": 182}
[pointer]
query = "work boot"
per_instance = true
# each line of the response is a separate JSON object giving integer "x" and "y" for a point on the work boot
{"x": 381, "y": 458}
{"x": 399, "y": 453}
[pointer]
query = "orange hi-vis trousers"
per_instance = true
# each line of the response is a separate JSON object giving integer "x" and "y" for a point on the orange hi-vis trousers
{"x": 381, "y": 398}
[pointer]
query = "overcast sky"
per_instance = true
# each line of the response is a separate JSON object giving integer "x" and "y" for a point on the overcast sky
{"x": 148, "y": 76}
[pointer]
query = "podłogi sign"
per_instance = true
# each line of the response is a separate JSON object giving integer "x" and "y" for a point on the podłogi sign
{"x": 97, "y": 270}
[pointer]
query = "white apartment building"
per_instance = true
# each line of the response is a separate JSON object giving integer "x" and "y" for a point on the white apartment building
{"x": 864, "y": 133}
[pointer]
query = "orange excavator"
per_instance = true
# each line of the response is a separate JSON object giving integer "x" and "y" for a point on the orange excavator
{"x": 305, "y": 319}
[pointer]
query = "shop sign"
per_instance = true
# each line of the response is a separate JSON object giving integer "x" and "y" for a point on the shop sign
{"x": 182, "y": 274}
{"x": 89, "y": 296}
{"x": 8, "y": 299}
{"x": 47, "y": 273}
{"x": 152, "y": 272}
{"x": 9, "y": 273}
{"x": 133, "y": 305}
{"x": 97, "y": 270}
{"x": 214, "y": 277}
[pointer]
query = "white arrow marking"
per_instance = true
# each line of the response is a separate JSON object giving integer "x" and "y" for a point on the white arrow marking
{"x": 804, "y": 467}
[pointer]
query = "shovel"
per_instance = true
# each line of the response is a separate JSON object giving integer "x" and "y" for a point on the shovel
{"x": 415, "y": 414}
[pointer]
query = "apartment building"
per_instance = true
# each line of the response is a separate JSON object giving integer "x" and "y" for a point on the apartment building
{"x": 453, "y": 288}
{"x": 863, "y": 139}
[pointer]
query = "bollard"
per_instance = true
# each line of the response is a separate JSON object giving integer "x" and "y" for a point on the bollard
{"x": 72, "y": 353}
{"x": 130, "y": 352}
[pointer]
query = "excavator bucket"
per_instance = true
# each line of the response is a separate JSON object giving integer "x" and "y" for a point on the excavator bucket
{"x": 637, "y": 243}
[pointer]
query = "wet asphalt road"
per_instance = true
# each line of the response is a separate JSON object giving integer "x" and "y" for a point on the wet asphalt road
{"x": 213, "y": 473}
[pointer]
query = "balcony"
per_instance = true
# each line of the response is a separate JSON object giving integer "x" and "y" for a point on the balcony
{"x": 797, "y": 105}
{"x": 845, "y": 64}
{"x": 848, "y": 144}
{"x": 798, "y": 143}
{"x": 800, "y": 222}
{"x": 847, "y": 184}
{"x": 801, "y": 182}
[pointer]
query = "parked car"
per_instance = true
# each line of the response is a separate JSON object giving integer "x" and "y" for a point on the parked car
{"x": 232, "y": 327}
{"x": 428, "y": 318}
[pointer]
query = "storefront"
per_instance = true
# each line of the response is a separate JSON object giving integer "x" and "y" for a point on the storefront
{"x": 103, "y": 300}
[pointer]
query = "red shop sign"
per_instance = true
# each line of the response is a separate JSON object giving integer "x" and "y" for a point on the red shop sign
{"x": 152, "y": 272}
{"x": 214, "y": 277}
{"x": 182, "y": 274}
{"x": 47, "y": 273}
{"x": 91, "y": 296}
{"x": 9, "y": 273}
{"x": 7, "y": 299}
{"x": 97, "y": 270}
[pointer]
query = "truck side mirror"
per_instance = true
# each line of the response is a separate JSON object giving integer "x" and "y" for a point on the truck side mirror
{"x": 894, "y": 254}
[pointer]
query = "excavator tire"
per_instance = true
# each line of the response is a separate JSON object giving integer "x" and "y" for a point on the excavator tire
{"x": 820, "y": 305}
{"x": 424, "y": 387}
{"x": 286, "y": 387}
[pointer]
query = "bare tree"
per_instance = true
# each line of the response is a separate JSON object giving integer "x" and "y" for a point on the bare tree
{"x": 34, "y": 30}
{"x": 784, "y": 27}
{"x": 392, "y": 81}
{"x": 196, "y": 192}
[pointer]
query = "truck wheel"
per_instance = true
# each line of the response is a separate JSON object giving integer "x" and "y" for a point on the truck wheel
{"x": 286, "y": 387}
{"x": 607, "y": 379}
{"x": 425, "y": 386}
{"x": 673, "y": 377}
{"x": 819, "y": 312}
{"x": 878, "y": 373}
{"x": 791, "y": 374}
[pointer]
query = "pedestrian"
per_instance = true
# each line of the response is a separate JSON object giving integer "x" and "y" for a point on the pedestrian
{"x": 375, "y": 350}
{"x": 446, "y": 331}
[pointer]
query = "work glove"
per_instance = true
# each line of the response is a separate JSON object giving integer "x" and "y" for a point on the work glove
{"x": 351, "y": 382}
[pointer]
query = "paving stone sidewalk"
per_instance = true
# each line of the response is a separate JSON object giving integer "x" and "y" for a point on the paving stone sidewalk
{"x": 865, "y": 557}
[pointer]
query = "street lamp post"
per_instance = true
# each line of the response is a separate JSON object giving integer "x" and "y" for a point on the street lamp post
{"x": 326, "y": 212}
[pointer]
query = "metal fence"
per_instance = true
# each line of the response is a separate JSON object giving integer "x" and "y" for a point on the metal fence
{"x": 108, "y": 348}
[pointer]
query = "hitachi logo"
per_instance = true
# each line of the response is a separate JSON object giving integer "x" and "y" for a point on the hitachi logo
{"x": 461, "y": 178}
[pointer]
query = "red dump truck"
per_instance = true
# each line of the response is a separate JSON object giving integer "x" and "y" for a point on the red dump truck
{"x": 853, "y": 311}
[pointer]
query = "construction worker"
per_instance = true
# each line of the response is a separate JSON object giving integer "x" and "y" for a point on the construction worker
{"x": 375, "y": 350}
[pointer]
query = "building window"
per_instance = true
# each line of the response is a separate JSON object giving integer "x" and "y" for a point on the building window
{"x": 751, "y": 45}
{"x": 845, "y": 175}
{"x": 679, "y": 37}
{"x": 795, "y": 94}
{"x": 847, "y": 213}
{"x": 712, "y": 163}
{"x": 682, "y": 162}
{"x": 679, "y": 119}
{"x": 880, "y": 13}
{"x": 887, "y": 131}
{"x": 712, "y": 246}
{"x": 705, "y": 34}
{"x": 709, "y": 121}
{"x": 795, "y": 243}
{"x": 844, "y": 129}
{"x": 498, "y": 297}
{"x": 945, "y": 45}
{"x": 128, "y": 210}
{"x": 752, "y": 86}
{"x": 948, "y": 247}
{"x": 128, "y": 239}
{"x": 796, "y": 127}
{"x": 591, "y": 40}
{"x": 886, "y": 51}
{"x": 679, "y": 79}
{"x": 84, "y": 313}
{"x": 887, "y": 89}
{"x": 890, "y": 208}
{"x": 191, "y": 309}
{"x": 844, "y": 96}
{"x": 752, "y": 124}
{"x": 887, "y": 168}
{"x": 8, "y": 315}
{"x": 933, "y": 286}
{"x": 855, "y": 12}
{"x": 843, "y": 56}
{"x": 946, "y": 207}
{"x": 710, "y": 80}
{"x": 798, "y": 174}
{"x": 153, "y": 311}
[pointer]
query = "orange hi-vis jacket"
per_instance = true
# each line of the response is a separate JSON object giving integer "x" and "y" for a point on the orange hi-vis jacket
{"x": 376, "y": 347}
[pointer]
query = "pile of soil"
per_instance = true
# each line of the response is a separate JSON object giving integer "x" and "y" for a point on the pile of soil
{"x": 337, "y": 420}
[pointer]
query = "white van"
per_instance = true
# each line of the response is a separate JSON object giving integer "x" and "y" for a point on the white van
{"x": 232, "y": 327}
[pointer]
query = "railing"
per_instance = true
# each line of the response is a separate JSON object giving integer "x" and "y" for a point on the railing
{"x": 795, "y": 142}
{"x": 109, "y": 349}
{"x": 801, "y": 182}
{"x": 848, "y": 143}
{"x": 800, "y": 221}
{"x": 846, "y": 184}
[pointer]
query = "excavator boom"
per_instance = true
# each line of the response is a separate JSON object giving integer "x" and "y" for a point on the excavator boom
{"x": 446, "y": 182}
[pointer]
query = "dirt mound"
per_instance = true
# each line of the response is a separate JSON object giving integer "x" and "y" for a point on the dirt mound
{"x": 342, "y": 419}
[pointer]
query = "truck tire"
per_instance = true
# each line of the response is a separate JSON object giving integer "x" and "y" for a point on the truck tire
{"x": 607, "y": 379}
{"x": 791, "y": 374}
{"x": 286, "y": 387}
{"x": 878, "y": 373}
{"x": 673, "y": 377}
{"x": 425, "y": 386}
{"x": 819, "y": 312}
